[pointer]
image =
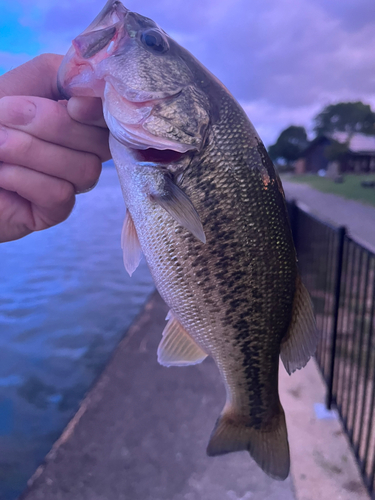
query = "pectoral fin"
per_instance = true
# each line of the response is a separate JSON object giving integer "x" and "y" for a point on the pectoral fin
{"x": 179, "y": 206}
{"x": 177, "y": 348}
{"x": 130, "y": 245}
{"x": 302, "y": 337}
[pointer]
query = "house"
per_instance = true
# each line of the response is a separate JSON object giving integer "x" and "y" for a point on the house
{"x": 359, "y": 157}
{"x": 313, "y": 158}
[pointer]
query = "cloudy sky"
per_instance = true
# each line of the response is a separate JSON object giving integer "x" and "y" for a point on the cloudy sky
{"x": 282, "y": 59}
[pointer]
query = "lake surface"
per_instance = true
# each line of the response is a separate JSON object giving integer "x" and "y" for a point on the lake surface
{"x": 65, "y": 302}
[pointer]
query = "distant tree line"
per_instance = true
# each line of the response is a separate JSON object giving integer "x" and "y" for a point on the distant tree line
{"x": 348, "y": 117}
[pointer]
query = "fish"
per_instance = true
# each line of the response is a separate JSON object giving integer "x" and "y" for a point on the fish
{"x": 206, "y": 207}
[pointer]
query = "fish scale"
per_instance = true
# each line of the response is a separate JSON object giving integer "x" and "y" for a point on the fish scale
{"x": 206, "y": 207}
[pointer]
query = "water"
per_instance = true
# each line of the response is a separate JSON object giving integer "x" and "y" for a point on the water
{"x": 65, "y": 302}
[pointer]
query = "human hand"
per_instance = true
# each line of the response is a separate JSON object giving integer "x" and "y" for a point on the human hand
{"x": 49, "y": 150}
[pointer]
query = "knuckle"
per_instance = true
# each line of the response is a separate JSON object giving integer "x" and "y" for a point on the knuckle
{"x": 44, "y": 60}
{"x": 41, "y": 58}
{"x": 25, "y": 146}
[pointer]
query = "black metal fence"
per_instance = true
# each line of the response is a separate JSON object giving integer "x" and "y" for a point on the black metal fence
{"x": 340, "y": 275}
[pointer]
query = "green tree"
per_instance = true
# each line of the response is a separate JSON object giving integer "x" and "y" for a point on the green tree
{"x": 349, "y": 117}
{"x": 291, "y": 142}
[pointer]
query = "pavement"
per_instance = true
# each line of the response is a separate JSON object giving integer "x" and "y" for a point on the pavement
{"x": 322, "y": 463}
{"x": 141, "y": 434}
{"x": 358, "y": 218}
{"x": 142, "y": 431}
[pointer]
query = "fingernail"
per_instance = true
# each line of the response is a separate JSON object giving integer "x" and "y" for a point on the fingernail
{"x": 22, "y": 114}
{"x": 3, "y": 135}
{"x": 89, "y": 189}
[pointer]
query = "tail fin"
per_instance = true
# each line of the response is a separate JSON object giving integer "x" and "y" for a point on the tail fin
{"x": 268, "y": 447}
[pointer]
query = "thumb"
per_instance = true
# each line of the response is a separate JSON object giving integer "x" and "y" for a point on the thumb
{"x": 37, "y": 77}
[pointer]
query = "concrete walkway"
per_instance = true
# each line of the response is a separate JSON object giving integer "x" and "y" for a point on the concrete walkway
{"x": 358, "y": 218}
{"x": 323, "y": 466}
{"x": 142, "y": 431}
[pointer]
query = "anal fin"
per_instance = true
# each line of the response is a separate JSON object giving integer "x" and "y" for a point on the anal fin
{"x": 130, "y": 245}
{"x": 177, "y": 348}
{"x": 268, "y": 447}
{"x": 301, "y": 339}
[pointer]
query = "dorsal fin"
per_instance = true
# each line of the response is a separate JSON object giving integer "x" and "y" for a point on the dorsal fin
{"x": 301, "y": 339}
{"x": 177, "y": 348}
{"x": 130, "y": 245}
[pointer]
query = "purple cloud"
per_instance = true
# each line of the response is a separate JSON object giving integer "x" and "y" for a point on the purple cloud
{"x": 275, "y": 55}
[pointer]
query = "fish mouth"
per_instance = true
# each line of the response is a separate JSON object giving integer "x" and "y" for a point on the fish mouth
{"x": 76, "y": 75}
{"x": 113, "y": 12}
{"x": 84, "y": 72}
{"x": 157, "y": 156}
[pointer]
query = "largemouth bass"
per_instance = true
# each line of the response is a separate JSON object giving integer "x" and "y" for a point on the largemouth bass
{"x": 207, "y": 209}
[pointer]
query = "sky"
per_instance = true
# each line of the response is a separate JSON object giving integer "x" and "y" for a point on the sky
{"x": 283, "y": 60}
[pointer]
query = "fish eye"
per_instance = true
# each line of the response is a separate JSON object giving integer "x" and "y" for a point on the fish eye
{"x": 155, "y": 41}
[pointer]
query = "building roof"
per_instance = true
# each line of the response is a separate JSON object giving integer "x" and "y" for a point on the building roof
{"x": 358, "y": 143}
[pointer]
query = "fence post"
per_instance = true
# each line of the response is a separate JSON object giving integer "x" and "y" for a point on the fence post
{"x": 341, "y": 232}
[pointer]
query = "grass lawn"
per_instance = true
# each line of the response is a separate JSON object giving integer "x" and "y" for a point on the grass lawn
{"x": 351, "y": 187}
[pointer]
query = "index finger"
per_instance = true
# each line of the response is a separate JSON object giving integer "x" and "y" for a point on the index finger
{"x": 49, "y": 120}
{"x": 36, "y": 77}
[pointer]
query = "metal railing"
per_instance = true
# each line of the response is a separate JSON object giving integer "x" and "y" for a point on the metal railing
{"x": 340, "y": 275}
